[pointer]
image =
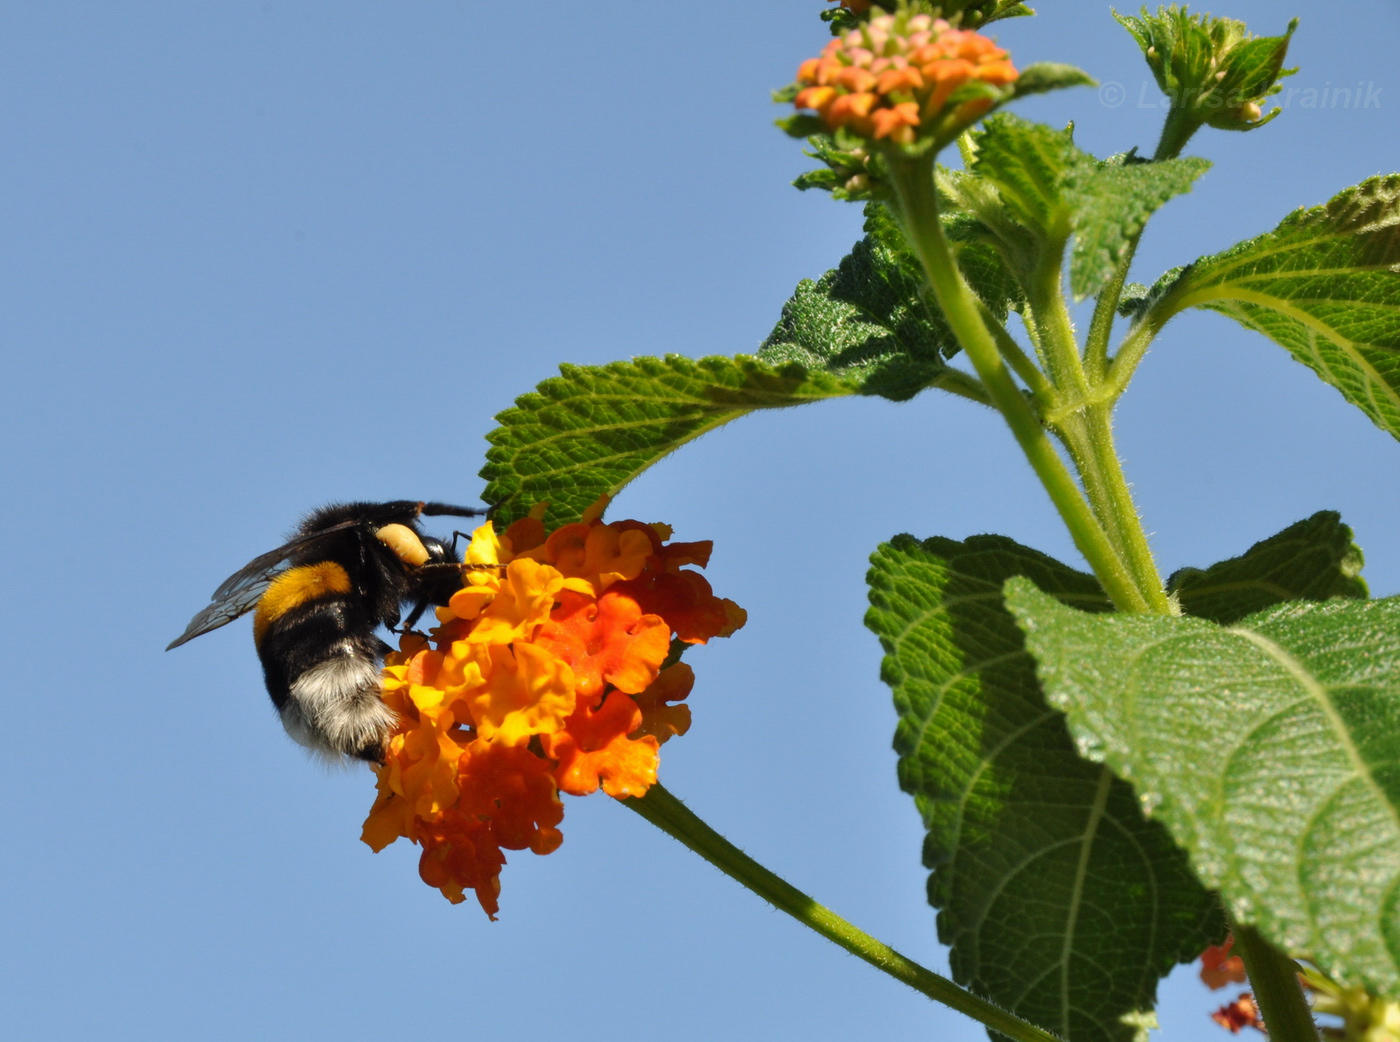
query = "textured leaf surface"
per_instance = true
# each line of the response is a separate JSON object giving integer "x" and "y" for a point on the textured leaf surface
{"x": 1323, "y": 285}
{"x": 873, "y": 319}
{"x": 867, "y": 327}
{"x": 592, "y": 429}
{"x": 1060, "y": 901}
{"x": 1270, "y": 748}
{"x": 1313, "y": 560}
{"x": 1114, "y": 200}
{"x": 1052, "y": 190}
{"x": 1043, "y": 77}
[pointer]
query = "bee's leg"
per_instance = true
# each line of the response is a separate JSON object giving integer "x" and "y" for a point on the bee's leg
{"x": 419, "y": 607}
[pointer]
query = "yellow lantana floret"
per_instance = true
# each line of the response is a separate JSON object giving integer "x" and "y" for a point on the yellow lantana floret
{"x": 544, "y": 676}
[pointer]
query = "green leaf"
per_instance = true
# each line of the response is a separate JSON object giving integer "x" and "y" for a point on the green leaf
{"x": 1115, "y": 199}
{"x": 1059, "y": 900}
{"x": 593, "y": 429}
{"x": 1324, "y": 286}
{"x": 1029, "y": 164}
{"x": 971, "y": 14}
{"x": 1313, "y": 560}
{"x": 1043, "y": 77}
{"x": 1046, "y": 190}
{"x": 869, "y": 327}
{"x": 873, "y": 320}
{"x": 1270, "y": 749}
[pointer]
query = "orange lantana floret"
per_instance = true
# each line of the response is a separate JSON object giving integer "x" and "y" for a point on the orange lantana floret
{"x": 1219, "y": 968}
{"x": 892, "y": 78}
{"x": 594, "y": 749}
{"x": 525, "y": 691}
{"x": 1238, "y": 1015}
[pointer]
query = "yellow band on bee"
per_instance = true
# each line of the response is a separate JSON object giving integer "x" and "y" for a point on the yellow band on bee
{"x": 404, "y": 541}
{"x": 295, "y": 587}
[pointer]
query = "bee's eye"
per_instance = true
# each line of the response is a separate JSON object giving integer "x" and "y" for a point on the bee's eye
{"x": 438, "y": 552}
{"x": 405, "y": 543}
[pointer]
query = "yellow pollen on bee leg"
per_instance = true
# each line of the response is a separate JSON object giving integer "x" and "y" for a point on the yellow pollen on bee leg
{"x": 295, "y": 587}
{"x": 405, "y": 543}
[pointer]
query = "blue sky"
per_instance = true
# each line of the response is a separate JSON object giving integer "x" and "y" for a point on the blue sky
{"x": 259, "y": 256}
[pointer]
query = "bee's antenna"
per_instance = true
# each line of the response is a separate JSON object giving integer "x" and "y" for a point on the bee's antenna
{"x": 439, "y": 509}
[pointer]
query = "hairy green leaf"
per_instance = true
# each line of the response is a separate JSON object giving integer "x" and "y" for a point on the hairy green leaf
{"x": 874, "y": 320}
{"x": 593, "y": 429}
{"x": 869, "y": 327}
{"x": 1046, "y": 190}
{"x": 1059, "y": 900}
{"x": 1043, "y": 77}
{"x": 971, "y": 14}
{"x": 1324, "y": 286}
{"x": 1030, "y": 164}
{"x": 1115, "y": 199}
{"x": 1269, "y": 748}
{"x": 1313, "y": 560}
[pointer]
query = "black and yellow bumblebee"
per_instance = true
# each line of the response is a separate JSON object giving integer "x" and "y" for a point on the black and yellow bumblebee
{"x": 318, "y": 600}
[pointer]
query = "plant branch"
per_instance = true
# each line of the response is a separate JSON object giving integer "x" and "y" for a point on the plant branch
{"x": 1274, "y": 978}
{"x": 1131, "y": 352}
{"x": 918, "y": 210}
{"x": 964, "y": 385}
{"x": 1110, "y": 486}
{"x": 1015, "y": 357}
{"x": 1059, "y": 346}
{"x": 1176, "y": 132}
{"x": 674, "y": 818}
{"x": 1105, "y": 310}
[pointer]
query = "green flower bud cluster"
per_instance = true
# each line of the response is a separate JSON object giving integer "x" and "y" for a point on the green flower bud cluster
{"x": 962, "y": 14}
{"x": 1215, "y": 73}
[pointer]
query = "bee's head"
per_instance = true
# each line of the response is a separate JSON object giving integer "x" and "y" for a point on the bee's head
{"x": 438, "y": 584}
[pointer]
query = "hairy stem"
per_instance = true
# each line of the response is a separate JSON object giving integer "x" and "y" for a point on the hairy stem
{"x": 1175, "y": 134}
{"x": 674, "y": 818}
{"x": 1016, "y": 358}
{"x": 918, "y": 210}
{"x": 1107, "y": 483}
{"x": 1131, "y": 352}
{"x": 964, "y": 385}
{"x": 1105, "y": 311}
{"x": 1274, "y": 978}
{"x": 1058, "y": 343}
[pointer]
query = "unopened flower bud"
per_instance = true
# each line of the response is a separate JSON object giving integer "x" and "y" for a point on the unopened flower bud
{"x": 1215, "y": 73}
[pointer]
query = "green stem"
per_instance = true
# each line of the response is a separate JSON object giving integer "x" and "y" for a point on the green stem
{"x": 1131, "y": 352}
{"x": 1105, "y": 311}
{"x": 1087, "y": 433}
{"x": 918, "y": 208}
{"x": 1106, "y": 482}
{"x": 1274, "y": 978}
{"x": 674, "y": 818}
{"x": 1019, "y": 361}
{"x": 1181, "y": 126}
{"x": 1058, "y": 343}
{"x": 964, "y": 385}
{"x": 1175, "y": 133}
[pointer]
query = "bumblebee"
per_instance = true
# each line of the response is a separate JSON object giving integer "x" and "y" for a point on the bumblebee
{"x": 317, "y": 601}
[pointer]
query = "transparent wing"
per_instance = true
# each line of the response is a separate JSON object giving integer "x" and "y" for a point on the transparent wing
{"x": 240, "y": 592}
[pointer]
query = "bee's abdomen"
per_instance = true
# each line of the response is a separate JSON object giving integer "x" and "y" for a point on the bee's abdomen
{"x": 297, "y": 587}
{"x": 321, "y": 661}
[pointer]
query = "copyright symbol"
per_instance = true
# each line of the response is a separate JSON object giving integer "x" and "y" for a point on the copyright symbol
{"x": 1111, "y": 95}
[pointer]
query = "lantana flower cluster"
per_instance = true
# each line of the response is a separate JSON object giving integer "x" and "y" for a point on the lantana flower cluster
{"x": 544, "y": 676}
{"x": 893, "y": 79}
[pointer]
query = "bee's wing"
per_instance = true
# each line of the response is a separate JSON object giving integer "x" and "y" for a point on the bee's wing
{"x": 240, "y": 592}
